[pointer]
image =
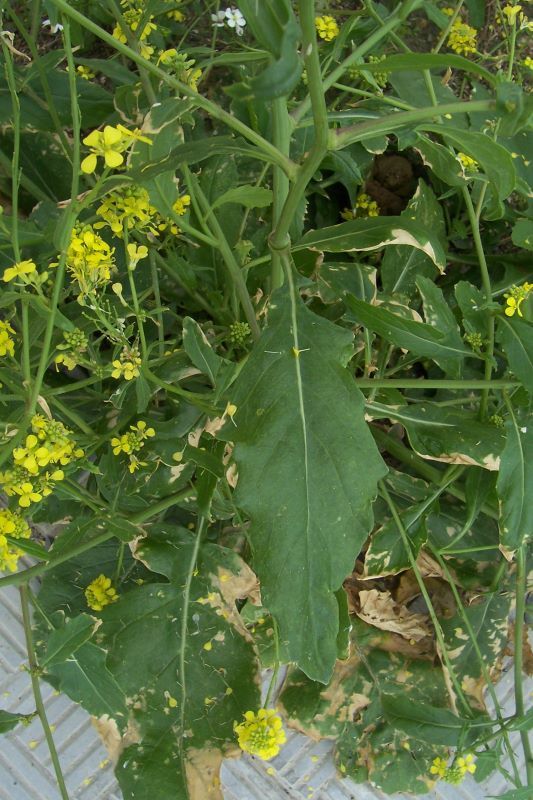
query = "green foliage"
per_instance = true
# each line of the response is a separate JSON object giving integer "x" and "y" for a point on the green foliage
{"x": 266, "y": 361}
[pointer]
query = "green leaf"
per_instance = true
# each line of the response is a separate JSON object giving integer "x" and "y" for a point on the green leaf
{"x": 199, "y": 350}
{"x": 443, "y": 434}
{"x": 440, "y": 160}
{"x": 495, "y": 160}
{"x": 422, "y": 61}
{"x": 401, "y": 264}
{"x": 386, "y": 553}
{"x": 373, "y": 234}
{"x": 247, "y": 196}
{"x": 489, "y": 619}
{"x": 9, "y": 721}
{"x": 522, "y": 233}
{"x": 274, "y": 25}
{"x": 425, "y": 722}
{"x": 516, "y": 339}
{"x": 64, "y": 641}
{"x": 515, "y": 485}
{"x": 472, "y": 303}
{"x": 417, "y": 337}
{"x": 300, "y": 436}
{"x": 438, "y": 313}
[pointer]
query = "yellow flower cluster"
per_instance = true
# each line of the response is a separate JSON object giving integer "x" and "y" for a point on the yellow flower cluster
{"x": 7, "y": 344}
{"x": 467, "y": 163}
{"x": 462, "y": 38}
{"x": 364, "y": 207}
{"x": 131, "y": 442}
{"x": 90, "y": 259}
{"x": 327, "y": 28}
{"x": 11, "y": 524}
{"x": 261, "y": 734}
{"x": 132, "y": 17}
{"x": 127, "y": 365}
{"x": 174, "y": 13}
{"x": 182, "y": 66}
{"x": 19, "y": 270}
{"x": 49, "y": 444}
{"x": 128, "y": 207}
{"x": 99, "y": 593}
{"x": 511, "y": 13}
{"x": 109, "y": 144}
{"x": 516, "y": 297}
{"x": 456, "y": 772}
{"x": 72, "y": 348}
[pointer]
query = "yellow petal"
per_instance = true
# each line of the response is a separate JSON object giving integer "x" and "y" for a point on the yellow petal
{"x": 88, "y": 165}
{"x": 111, "y": 135}
{"x": 113, "y": 159}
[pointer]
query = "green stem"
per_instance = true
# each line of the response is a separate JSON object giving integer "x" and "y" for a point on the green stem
{"x": 521, "y": 589}
{"x": 39, "y": 704}
{"x": 423, "y": 383}
{"x": 485, "y": 672}
{"x": 474, "y": 217}
{"x": 279, "y": 239}
{"x": 274, "y": 678}
{"x": 157, "y": 298}
{"x": 367, "y": 130}
{"x": 226, "y": 252}
{"x": 140, "y": 517}
{"x": 425, "y": 594}
{"x": 368, "y": 46}
{"x": 208, "y": 106}
{"x": 281, "y": 127}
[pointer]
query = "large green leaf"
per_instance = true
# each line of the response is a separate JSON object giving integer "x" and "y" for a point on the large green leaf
{"x": 438, "y": 313}
{"x": 417, "y": 337}
{"x": 515, "y": 485}
{"x": 373, "y": 234}
{"x": 300, "y": 440}
{"x": 443, "y": 434}
{"x": 425, "y": 722}
{"x": 516, "y": 339}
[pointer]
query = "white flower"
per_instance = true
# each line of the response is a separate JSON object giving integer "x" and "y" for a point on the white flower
{"x": 53, "y": 28}
{"x": 232, "y": 17}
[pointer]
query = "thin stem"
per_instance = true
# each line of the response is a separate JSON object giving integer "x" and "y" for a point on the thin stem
{"x": 157, "y": 297}
{"x": 201, "y": 102}
{"x": 519, "y": 655}
{"x": 485, "y": 672}
{"x": 473, "y": 217}
{"x": 423, "y": 383}
{"x": 274, "y": 678}
{"x": 39, "y": 704}
{"x": 226, "y": 252}
{"x": 425, "y": 594}
{"x": 281, "y": 128}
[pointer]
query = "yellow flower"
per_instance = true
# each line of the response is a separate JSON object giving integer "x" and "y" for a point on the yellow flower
{"x": 167, "y": 56}
{"x": 18, "y": 270}
{"x": 128, "y": 207}
{"x": 462, "y": 38}
{"x": 9, "y": 555}
{"x": 466, "y": 763}
{"x": 11, "y": 524}
{"x": 99, "y": 593}
{"x": 439, "y": 767}
{"x": 136, "y": 254}
{"x": 108, "y": 144}
{"x": 261, "y": 734}
{"x": 131, "y": 442}
{"x": 511, "y": 12}
{"x": 181, "y": 204}
{"x": 127, "y": 365}
{"x": 528, "y": 62}
{"x": 89, "y": 260}
{"x": 85, "y": 72}
{"x": 468, "y": 164}
{"x": 132, "y": 18}
{"x": 326, "y": 28}
{"x": 516, "y": 297}
{"x": 7, "y": 345}
{"x": 364, "y": 207}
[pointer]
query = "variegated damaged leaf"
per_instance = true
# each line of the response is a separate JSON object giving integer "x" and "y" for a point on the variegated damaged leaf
{"x": 489, "y": 621}
{"x": 349, "y": 709}
{"x": 373, "y": 234}
{"x": 442, "y": 434}
{"x": 300, "y": 438}
{"x": 181, "y": 661}
{"x": 382, "y": 611}
{"x": 515, "y": 486}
